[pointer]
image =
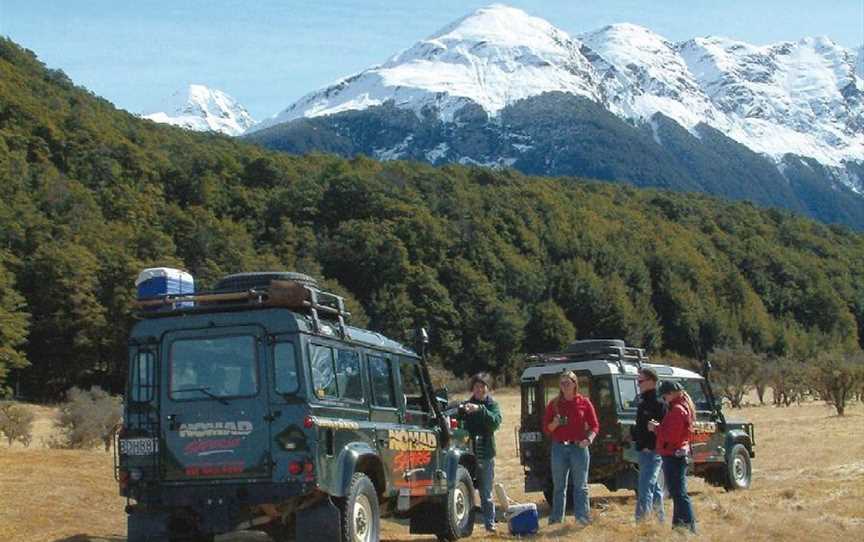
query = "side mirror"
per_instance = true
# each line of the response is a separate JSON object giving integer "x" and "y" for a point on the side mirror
{"x": 706, "y": 368}
{"x": 442, "y": 395}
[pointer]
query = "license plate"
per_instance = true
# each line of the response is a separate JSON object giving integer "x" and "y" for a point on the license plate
{"x": 139, "y": 446}
{"x": 530, "y": 436}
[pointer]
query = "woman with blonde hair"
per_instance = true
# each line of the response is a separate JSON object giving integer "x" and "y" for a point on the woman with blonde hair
{"x": 571, "y": 423}
{"x": 673, "y": 445}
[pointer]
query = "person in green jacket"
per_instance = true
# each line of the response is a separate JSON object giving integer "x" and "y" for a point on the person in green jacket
{"x": 481, "y": 417}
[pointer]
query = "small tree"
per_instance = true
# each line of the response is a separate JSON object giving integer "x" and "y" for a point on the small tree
{"x": 837, "y": 377}
{"x": 88, "y": 418}
{"x": 735, "y": 372}
{"x": 16, "y": 423}
{"x": 788, "y": 379}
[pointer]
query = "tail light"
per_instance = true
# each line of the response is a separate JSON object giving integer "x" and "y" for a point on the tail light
{"x": 454, "y": 423}
{"x": 123, "y": 478}
{"x": 295, "y": 468}
{"x": 308, "y": 422}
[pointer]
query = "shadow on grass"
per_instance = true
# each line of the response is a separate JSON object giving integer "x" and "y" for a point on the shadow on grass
{"x": 88, "y": 538}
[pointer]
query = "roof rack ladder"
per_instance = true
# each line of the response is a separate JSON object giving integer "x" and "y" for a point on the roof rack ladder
{"x": 313, "y": 308}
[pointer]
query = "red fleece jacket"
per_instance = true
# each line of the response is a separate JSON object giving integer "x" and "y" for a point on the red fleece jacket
{"x": 673, "y": 433}
{"x": 581, "y": 418}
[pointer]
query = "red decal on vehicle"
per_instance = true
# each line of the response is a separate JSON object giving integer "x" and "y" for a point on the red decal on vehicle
{"x": 211, "y": 446}
{"x": 405, "y": 460}
{"x": 216, "y": 469}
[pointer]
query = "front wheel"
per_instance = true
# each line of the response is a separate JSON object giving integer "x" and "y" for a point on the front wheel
{"x": 361, "y": 520}
{"x": 739, "y": 472}
{"x": 459, "y": 521}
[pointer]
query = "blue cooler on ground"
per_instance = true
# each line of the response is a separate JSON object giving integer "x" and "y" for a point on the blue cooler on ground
{"x": 161, "y": 281}
{"x": 523, "y": 519}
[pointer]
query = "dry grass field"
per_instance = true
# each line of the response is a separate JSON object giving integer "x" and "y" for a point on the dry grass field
{"x": 808, "y": 485}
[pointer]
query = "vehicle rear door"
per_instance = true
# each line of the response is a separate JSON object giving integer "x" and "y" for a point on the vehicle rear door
{"x": 215, "y": 404}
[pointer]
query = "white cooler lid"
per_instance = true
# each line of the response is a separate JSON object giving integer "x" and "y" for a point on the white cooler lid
{"x": 158, "y": 272}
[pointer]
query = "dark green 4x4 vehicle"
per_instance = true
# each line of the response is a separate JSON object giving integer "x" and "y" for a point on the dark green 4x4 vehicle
{"x": 607, "y": 369}
{"x": 258, "y": 407}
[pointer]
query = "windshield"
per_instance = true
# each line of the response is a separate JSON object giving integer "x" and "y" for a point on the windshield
{"x": 213, "y": 368}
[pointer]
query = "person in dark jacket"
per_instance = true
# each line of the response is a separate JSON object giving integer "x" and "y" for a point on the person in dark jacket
{"x": 673, "y": 445}
{"x": 650, "y": 492}
{"x": 481, "y": 418}
{"x": 571, "y": 423}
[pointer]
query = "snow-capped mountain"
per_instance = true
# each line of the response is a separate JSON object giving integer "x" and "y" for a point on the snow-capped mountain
{"x": 804, "y": 98}
{"x": 203, "y": 109}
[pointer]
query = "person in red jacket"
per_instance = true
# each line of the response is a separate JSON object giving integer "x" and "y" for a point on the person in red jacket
{"x": 673, "y": 446}
{"x": 571, "y": 423}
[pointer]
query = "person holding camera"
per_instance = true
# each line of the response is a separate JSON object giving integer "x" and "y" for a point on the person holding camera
{"x": 481, "y": 417}
{"x": 650, "y": 493}
{"x": 571, "y": 423}
{"x": 673, "y": 445}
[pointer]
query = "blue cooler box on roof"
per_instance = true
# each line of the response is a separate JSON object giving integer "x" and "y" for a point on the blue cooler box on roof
{"x": 523, "y": 519}
{"x": 161, "y": 281}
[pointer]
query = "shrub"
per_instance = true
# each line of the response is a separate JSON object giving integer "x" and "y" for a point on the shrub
{"x": 16, "y": 423}
{"x": 88, "y": 418}
{"x": 837, "y": 377}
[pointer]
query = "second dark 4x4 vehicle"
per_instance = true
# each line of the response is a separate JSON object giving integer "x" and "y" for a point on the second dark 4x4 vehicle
{"x": 607, "y": 369}
{"x": 258, "y": 407}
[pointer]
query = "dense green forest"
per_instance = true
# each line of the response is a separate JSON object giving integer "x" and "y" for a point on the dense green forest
{"x": 495, "y": 263}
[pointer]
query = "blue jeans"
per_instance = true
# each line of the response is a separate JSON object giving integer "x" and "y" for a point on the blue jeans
{"x": 570, "y": 460}
{"x": 485, "y": 479}
{"x": 675, "y": 472}
{"x": 650, "y": 492}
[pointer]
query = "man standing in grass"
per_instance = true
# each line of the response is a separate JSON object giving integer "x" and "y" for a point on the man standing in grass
{"x": 651, "y": 407}
{"x": 481, "y": 418}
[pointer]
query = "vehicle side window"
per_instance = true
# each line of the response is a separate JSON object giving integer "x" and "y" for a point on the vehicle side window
{"x": 603, "y": 388}
{"x": 629, "y": 392}
{"x": 142, "y": 387}
{"x": 412, "y": 387}
{"x": 528, "y": 406}
{"x": 285, "y": 368}
{"x": 348, "y": 378}
{"x": 696, "y": 390}
{"x": 381, "y": 378}
{"x": 323, "y": 373}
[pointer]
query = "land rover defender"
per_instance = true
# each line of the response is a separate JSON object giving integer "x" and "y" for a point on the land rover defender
{"x": 257, "y": 406}
{"x": 607, "y": 369}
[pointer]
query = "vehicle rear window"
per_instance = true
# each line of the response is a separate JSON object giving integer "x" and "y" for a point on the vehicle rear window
{"x": 285, "y": 368}
{"x": 381, "y": 378}
{"x": 204, "y": 368}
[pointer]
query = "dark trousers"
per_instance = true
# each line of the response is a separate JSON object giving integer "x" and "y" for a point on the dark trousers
{"x": 675, "y": 474}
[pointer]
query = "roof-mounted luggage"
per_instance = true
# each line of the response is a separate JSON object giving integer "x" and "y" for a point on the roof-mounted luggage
{"x": 614, "y": 350}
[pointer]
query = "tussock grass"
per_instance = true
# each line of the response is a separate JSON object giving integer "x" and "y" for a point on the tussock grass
{"x": 808, "y": 485}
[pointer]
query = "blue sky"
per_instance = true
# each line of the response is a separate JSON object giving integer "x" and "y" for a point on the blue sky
{"x": 269, "y": 53}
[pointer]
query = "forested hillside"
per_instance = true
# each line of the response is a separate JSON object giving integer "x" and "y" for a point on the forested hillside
{"x": 495, "y": 263}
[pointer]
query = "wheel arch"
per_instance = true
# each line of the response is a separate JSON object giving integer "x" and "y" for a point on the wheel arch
{"x": 354, "y": 458}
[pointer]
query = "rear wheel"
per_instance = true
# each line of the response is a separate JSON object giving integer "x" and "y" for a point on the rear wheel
{"x": 459, "y": 521}
{"x": 739, "y": 472}
{"x": 361, "y": 520}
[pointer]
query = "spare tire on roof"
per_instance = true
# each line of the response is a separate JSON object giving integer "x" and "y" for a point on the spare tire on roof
{"x": 594, "y": 345}
{"x": 247, "y": 281}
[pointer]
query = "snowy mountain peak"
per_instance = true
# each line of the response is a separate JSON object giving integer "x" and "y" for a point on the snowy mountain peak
{"x": 499, "y": 25}
{"x": 804, "y": 97}
{"x": 202, "y": 109}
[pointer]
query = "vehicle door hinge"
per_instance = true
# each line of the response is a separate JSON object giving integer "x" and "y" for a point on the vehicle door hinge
{"x": 272, "y": 415}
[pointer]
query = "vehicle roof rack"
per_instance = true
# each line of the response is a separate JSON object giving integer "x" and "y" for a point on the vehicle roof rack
{"x": 614, "y": 350}
{"x": 289, "y": 294}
